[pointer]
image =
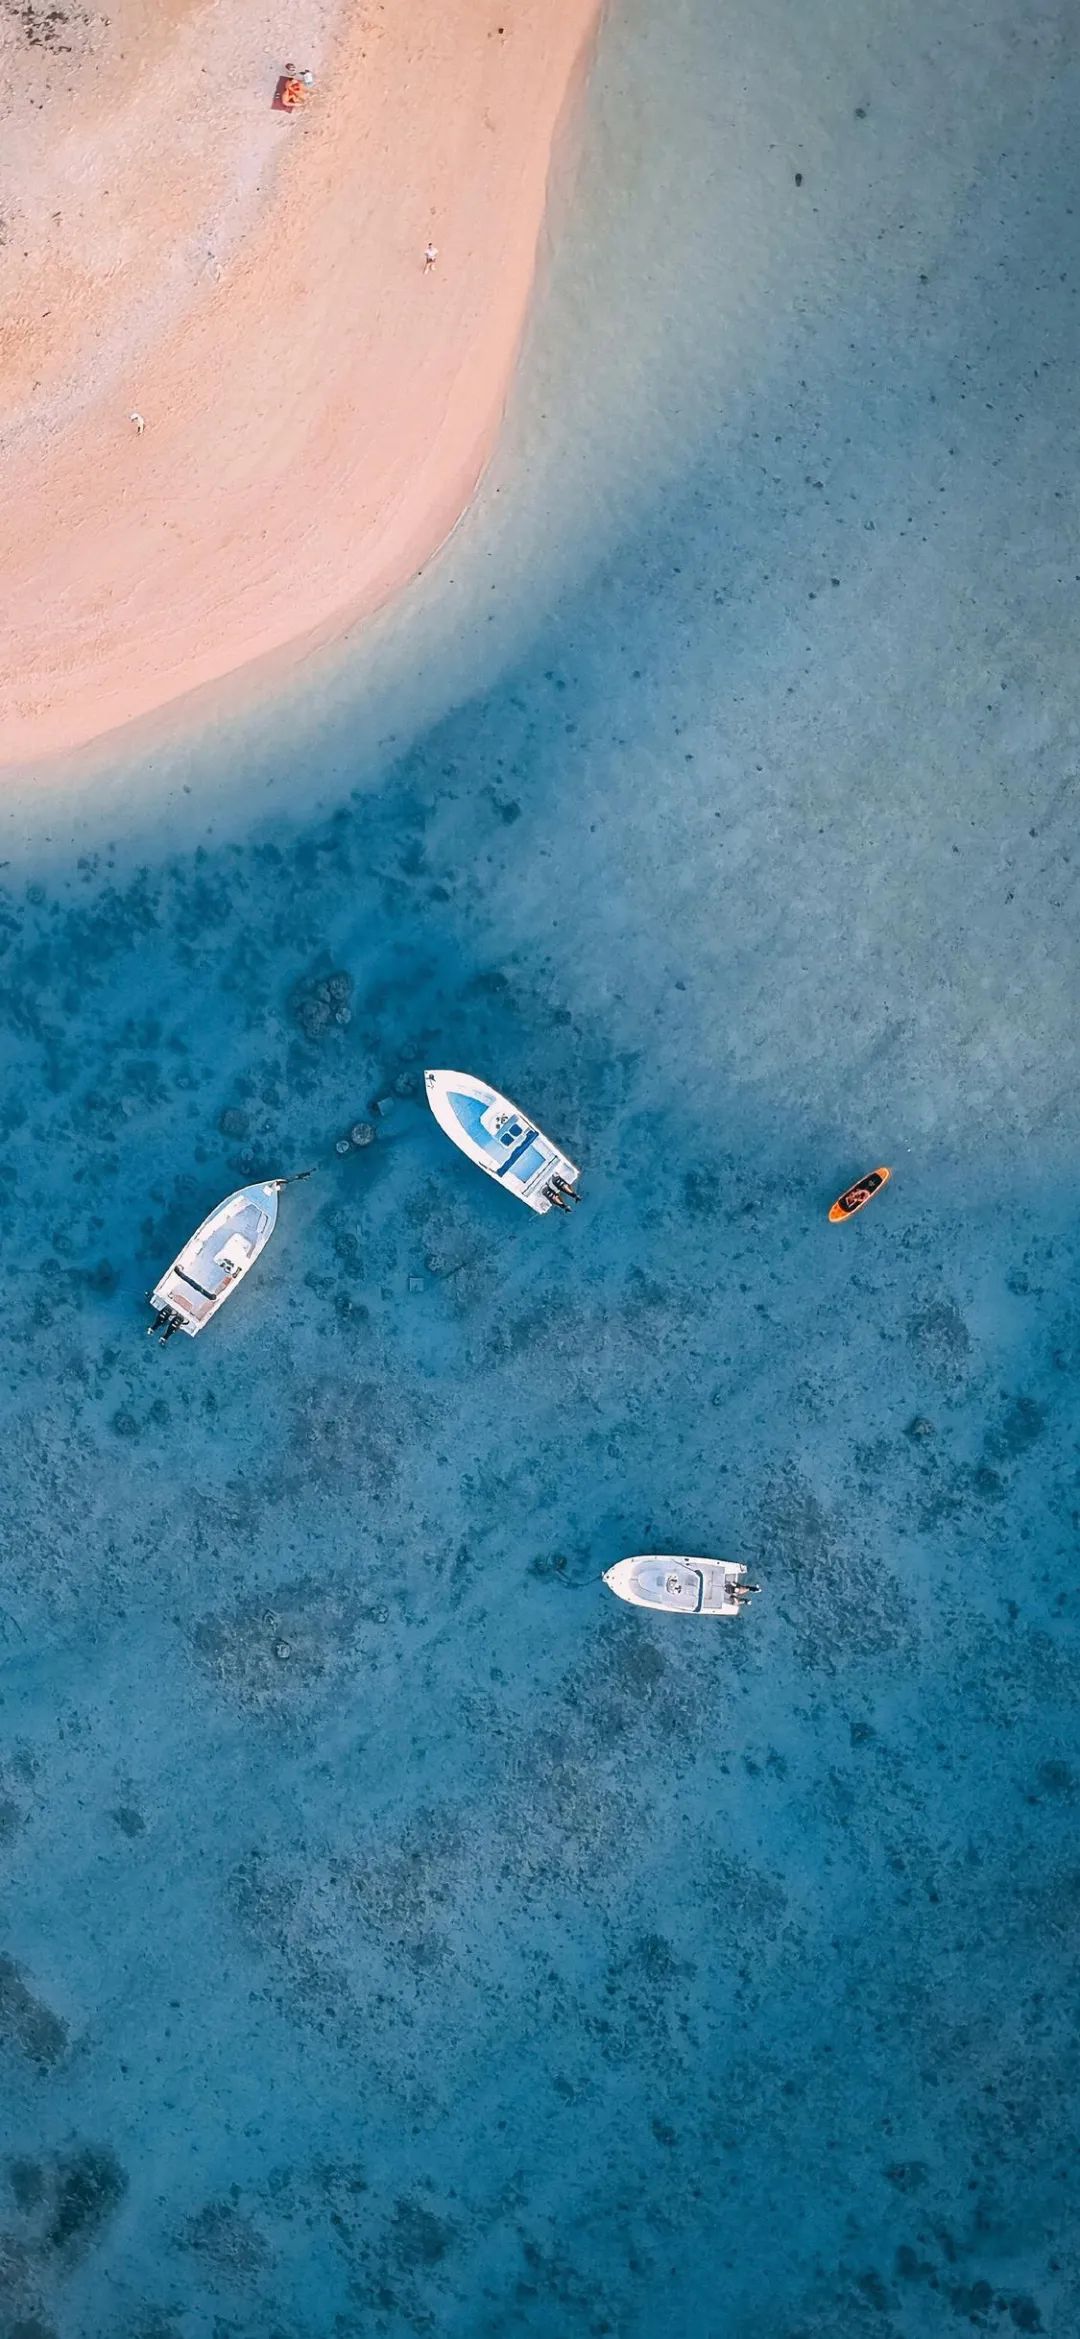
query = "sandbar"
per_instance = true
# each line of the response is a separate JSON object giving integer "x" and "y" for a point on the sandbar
{"x": 317, "y": 405}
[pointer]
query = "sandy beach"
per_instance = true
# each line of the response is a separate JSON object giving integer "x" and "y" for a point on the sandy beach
{"x": 317, "y": 404}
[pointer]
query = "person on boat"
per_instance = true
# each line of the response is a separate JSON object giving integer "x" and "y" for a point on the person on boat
{"x": 856, "y": 1196}
{"x": 570, "y": 1191}
{"x": 558, "y": 1201}
{"x": 744, "y": 1591}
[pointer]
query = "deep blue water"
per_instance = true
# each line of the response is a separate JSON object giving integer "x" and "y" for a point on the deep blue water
{"x": 498, "y": 1960}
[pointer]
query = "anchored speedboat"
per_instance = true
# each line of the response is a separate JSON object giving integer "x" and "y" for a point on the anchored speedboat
{"x": 215, "y": 1260}
{"x": 682, "y": 1587}
{"x": 502, "y": 1140}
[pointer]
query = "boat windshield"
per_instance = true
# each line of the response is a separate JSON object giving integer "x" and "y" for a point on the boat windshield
{"x": 500, "y": 1123}
{"x": 491, "y": 1128}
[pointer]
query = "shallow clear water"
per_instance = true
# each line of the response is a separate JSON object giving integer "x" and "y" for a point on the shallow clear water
{"x": 400, "y": 1935}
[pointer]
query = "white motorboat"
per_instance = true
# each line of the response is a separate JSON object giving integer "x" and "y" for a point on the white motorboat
{"x": 215, "y": 1260}
{"x": 502, "y": 1140}
{"x": 681, "y": 1587}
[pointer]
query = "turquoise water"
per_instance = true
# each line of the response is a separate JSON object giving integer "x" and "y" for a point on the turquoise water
{"x": 399, "y": 1934}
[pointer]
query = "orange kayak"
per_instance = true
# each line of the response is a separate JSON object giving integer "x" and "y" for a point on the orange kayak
{"x": 857, "y": 1196}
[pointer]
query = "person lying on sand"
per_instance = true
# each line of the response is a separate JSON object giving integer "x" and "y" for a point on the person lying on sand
{"x": 294, "y": 88}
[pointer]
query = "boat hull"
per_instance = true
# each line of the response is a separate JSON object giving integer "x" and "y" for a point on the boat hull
{"x": 502, "y": 1141}
{"x": 678, "y": 1586}
{"x": 218, "y": 1256}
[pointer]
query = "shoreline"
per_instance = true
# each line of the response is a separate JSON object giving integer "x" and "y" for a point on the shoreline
{"x": 313, "y": 433}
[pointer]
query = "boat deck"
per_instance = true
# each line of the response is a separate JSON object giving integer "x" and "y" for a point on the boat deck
{"x": 214, "y": 1258}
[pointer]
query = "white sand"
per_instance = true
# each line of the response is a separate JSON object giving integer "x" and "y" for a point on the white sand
{"x": 318, "y": 407}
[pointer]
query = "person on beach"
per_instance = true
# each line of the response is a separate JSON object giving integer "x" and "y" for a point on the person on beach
{"x": 139, "y": 422}
{"x": 294, "y": 88}
{"x": 431, "y": 254}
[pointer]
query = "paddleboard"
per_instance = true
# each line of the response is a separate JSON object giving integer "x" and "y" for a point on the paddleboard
{"x": 857, "y": 1196}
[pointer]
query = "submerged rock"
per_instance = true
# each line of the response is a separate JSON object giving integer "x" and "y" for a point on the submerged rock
{"x": 26, "y": 2023}
{"x": 323, "y": 1000}
{"x": 87, "y": 2187}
